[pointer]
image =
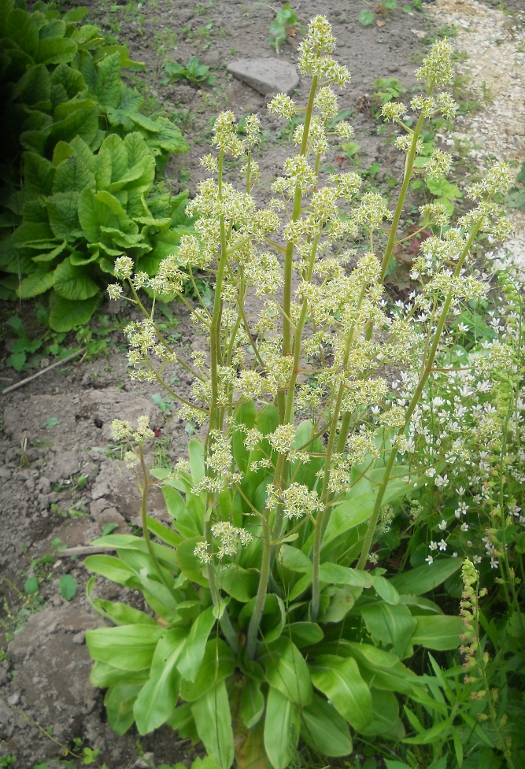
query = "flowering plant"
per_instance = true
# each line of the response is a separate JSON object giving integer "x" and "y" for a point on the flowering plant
{"x": 268, "y": 624}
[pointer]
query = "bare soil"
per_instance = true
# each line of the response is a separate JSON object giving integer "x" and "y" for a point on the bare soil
{"x": 62, "y": 479}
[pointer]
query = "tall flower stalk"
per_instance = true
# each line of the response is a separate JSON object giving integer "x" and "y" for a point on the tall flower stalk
{"x": 313, "y": 260}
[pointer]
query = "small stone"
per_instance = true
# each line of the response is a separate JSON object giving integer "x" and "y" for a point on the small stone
{"x": 14, "y": 699}
{"x": 267, "y": 76}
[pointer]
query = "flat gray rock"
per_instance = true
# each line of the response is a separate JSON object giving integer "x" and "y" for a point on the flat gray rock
{"x": 267, "y": 75}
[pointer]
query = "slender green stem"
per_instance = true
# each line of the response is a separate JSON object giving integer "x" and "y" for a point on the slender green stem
{"x": 412, "y": 405}
{"x": 225, "y": 621}
{"x": 253, "y": 628}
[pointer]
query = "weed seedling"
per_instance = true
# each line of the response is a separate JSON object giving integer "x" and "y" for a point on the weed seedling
{"x": 194, "y": 72}
{"x": 282, "y": 26}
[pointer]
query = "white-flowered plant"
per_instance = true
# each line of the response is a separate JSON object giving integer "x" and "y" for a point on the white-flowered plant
{"x": 314, "y": 409}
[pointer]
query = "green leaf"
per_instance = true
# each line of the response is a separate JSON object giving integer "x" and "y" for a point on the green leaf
{"x": 53, "y": 50}
{"x": 424, "y": 578}
{"x": 63, "y": 216}
{"x": 22, "y": 28}
{"x": 196, "y": 456}
{"x": 97, "y": 210}
{"x": 73, "y": 283}
{"x": 295, "y": 560}
{"x": 34, "y": 86}
{"x": 438, "y": 632}
{"x": 128, "y": 647}
{"x": 72, "y": 175}
{"x": 164, "y": 533}
{"x": 389, "y": 625}
{"x": 103, "y": 676}
{"x": 240, "y": 583}
{"x": 108, "y": 80}
{"x": 305, "y": 633}
{"x": 340, "y": 680}
{"x": 31, "y": 586}
{"x": 193, "y": 652}
{"x": 67, "y": 314}
{"x": 366, "y": 17}
{"x": 213, "y": 721}
{"x": 217, "y": 664}
{"x": 386, "y": 590}
{"x": 188, "y": 562}
{"x": 121, "y": 613}
{"x": 83, "y": 122}
{"x": 252, "y": 703}
{"x": 38, "y": 173}
{"x": 281, "y": 729}
{"x": 385, "y": 713}
{"x": 286, "y": 670}
{"x": 76, "y": 14}
{"x": 159, "y": 696}
{"x": 36, "y": 283}
{"x": 342, "y": 575}
{"x": 119, "y": 702}
{"x": 324, "y": 729}
{"x": 67, "y": 586}
{"x": 110, "y": 567}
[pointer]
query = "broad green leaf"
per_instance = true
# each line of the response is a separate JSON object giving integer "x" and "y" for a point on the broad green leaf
{"x": 177, "y": 509}
{"x": 108, "y": 80}
{"x": 341, "y": 603}
{"x": 188, "y": 562}
{"x": 67, "y": 314}
{"x": 34, "y": 86}
{"x": 183, "y": 722}
{"x": 286, "y": 670}
{"x": 217, "y": 664}
{"x": 424, "y": 578}
{"x": 213, "y": 721}
{"x": 246, "y": 415}
{"x": 281, "y": 729}
{"x": 36, "y": 283}
{"x": 128, "y": 647}
{"x": 121, "y": 613}
{"x": 83, "y": 122}
{"x": 385, "y": 713}
{"x": 62, "y": 208}
{"x": 366, "y": 17}
{"x": 240, "y": 583}
{"x": 342, "y": 575}
{"x": 193, "y": 653}
{"x": 389, "y": 625}
{"x": 164, "y": 533}
{"x": 252, "y": 703}
{"x": 66, "y": 83}
{"x": 99, "y": 209}
{"x": 324, "y": 729}
{"x": 295, "y": 560}
{"x": 386, "y": 590}
{"x": 67, "y": 586}
{"x": 23, "y": 29}
{"x": 38, "y": 174}
{"x": 340, "y": 680}
{"x": 6, "y": 6}
{"x": 305, "y": 633}
{"x": 72, "y": 175}
{"x": 73, "y": 283}
{"x": 159, "y": 696}
{"x": 196, "y": 456}
{"x": 438, "y": 632}
{"x": 110, "y": 567}
{"x": 76, "y": 14}
{"x": 104, "y": 675}
{"x": 119, "y": 701}
{"x": 54, "y": 50}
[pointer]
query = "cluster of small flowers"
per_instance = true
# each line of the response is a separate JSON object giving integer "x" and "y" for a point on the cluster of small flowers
{"x": 121, "y": 430}
{"x": 297, "y": 500}
{"x": 231, "y": 540}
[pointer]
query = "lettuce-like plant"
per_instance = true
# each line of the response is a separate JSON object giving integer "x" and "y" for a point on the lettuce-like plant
{"x": 89, "y": 159}
{"x": 273, "y": 620}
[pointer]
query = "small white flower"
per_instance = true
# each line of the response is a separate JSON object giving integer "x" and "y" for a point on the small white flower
{"x": 442, "y": 525}
{"x": 464, "y": 527}
{"x": 433, "y": 546}
{"x": 442, "y": 545}
{"x": 429, "y": 560}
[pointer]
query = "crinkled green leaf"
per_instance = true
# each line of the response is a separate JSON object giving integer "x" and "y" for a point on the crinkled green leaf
{"x": 67, "y": 314}
{"x": 36, "y": 283}
{"x": 73, "y": 283}
{"x": 54, "y": 50}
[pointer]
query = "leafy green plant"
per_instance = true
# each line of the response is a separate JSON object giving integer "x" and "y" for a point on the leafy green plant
{"x": 516, "y": 196}
{"x": 273, "y": 620}
{"x": 282, "y": 26}
{"x": 387, "y": 89}
{"x": 369, "y": 15}
{"x": 88, "y": 164}
{"x": 194, "y": 72}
